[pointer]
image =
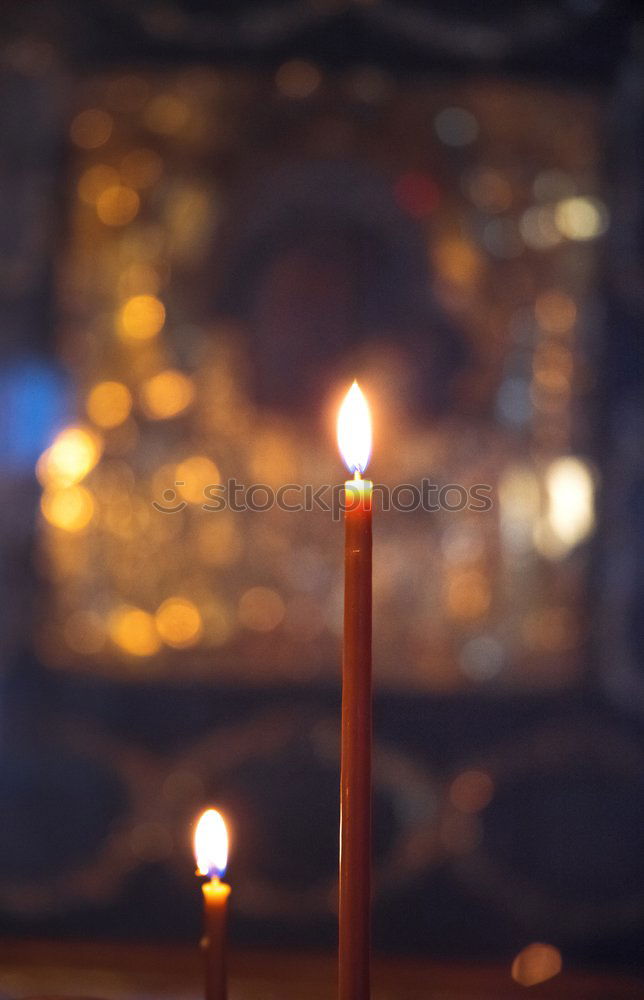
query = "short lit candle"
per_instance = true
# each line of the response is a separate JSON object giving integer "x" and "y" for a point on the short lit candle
{"x": 211, "y": 854}
{"x": 354, "y": 441}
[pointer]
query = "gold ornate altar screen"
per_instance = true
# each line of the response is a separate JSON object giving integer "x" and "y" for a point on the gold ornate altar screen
{"x": 240, "y": 247}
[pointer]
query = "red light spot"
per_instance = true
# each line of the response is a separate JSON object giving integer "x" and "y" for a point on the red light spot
{"x": 417, "y": 194}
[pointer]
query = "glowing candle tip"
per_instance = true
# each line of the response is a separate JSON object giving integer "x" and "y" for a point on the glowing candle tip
{"x": 354, "y": 430}
{"x": 211, "y": 844}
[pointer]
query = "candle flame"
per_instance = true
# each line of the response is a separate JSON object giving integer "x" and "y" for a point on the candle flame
{"x": 354, "y": 430}
{"x": 211, "y": 844}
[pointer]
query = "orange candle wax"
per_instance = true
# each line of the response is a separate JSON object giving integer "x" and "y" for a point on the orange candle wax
{"x": 213, "y": 943}
{"x": 354, "y": 436}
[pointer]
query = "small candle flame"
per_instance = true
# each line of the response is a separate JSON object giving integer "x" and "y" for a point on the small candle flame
{"x": 211, "y": 844}
{"x": 354, "y": 430}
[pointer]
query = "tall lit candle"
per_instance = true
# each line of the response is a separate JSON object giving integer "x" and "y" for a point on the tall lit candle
{"x": 354, "y": 440}
{"x": 211, "y": 854}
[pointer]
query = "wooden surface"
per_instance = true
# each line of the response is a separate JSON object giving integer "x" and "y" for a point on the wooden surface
{"x": 146, "y": 972}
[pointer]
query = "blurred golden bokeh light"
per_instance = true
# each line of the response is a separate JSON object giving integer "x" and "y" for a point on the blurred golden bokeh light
{"x": 169, "y": 405}
{"x": 141, "y": 318}
{"x": 458, "y": 261}
{"x": 536, "y": 963}
{"x": 74, "y": 453}
{"x": 553, "y": 367}
{"x": 95, "y": 181}
{"x": 261, "y": 609}
{"x": 167, "y": 394}
{"x": 133, "y": 630}
{"x": 178, "y": 622}
{"x": 555, "y": 311}
{"x": 117, "y": 205}
{"x": 571, "y": 501}
{"x": 109, "y": 404}
{"x": 581, "y": 218}
{"x": 193, "y": 475}
{"x": 70, "y": 509}
{"x": 91, "y": 128}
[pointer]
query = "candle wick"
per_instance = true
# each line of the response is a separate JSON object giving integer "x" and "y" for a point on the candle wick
{"x": 356, "y": 476}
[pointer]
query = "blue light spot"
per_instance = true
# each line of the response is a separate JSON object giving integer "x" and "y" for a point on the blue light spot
{"x": 36, "y": 404}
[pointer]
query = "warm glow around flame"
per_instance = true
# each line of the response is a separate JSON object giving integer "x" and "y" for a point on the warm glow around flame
{"x": 211, "y": 844}
{"x": 354, "y": 429}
